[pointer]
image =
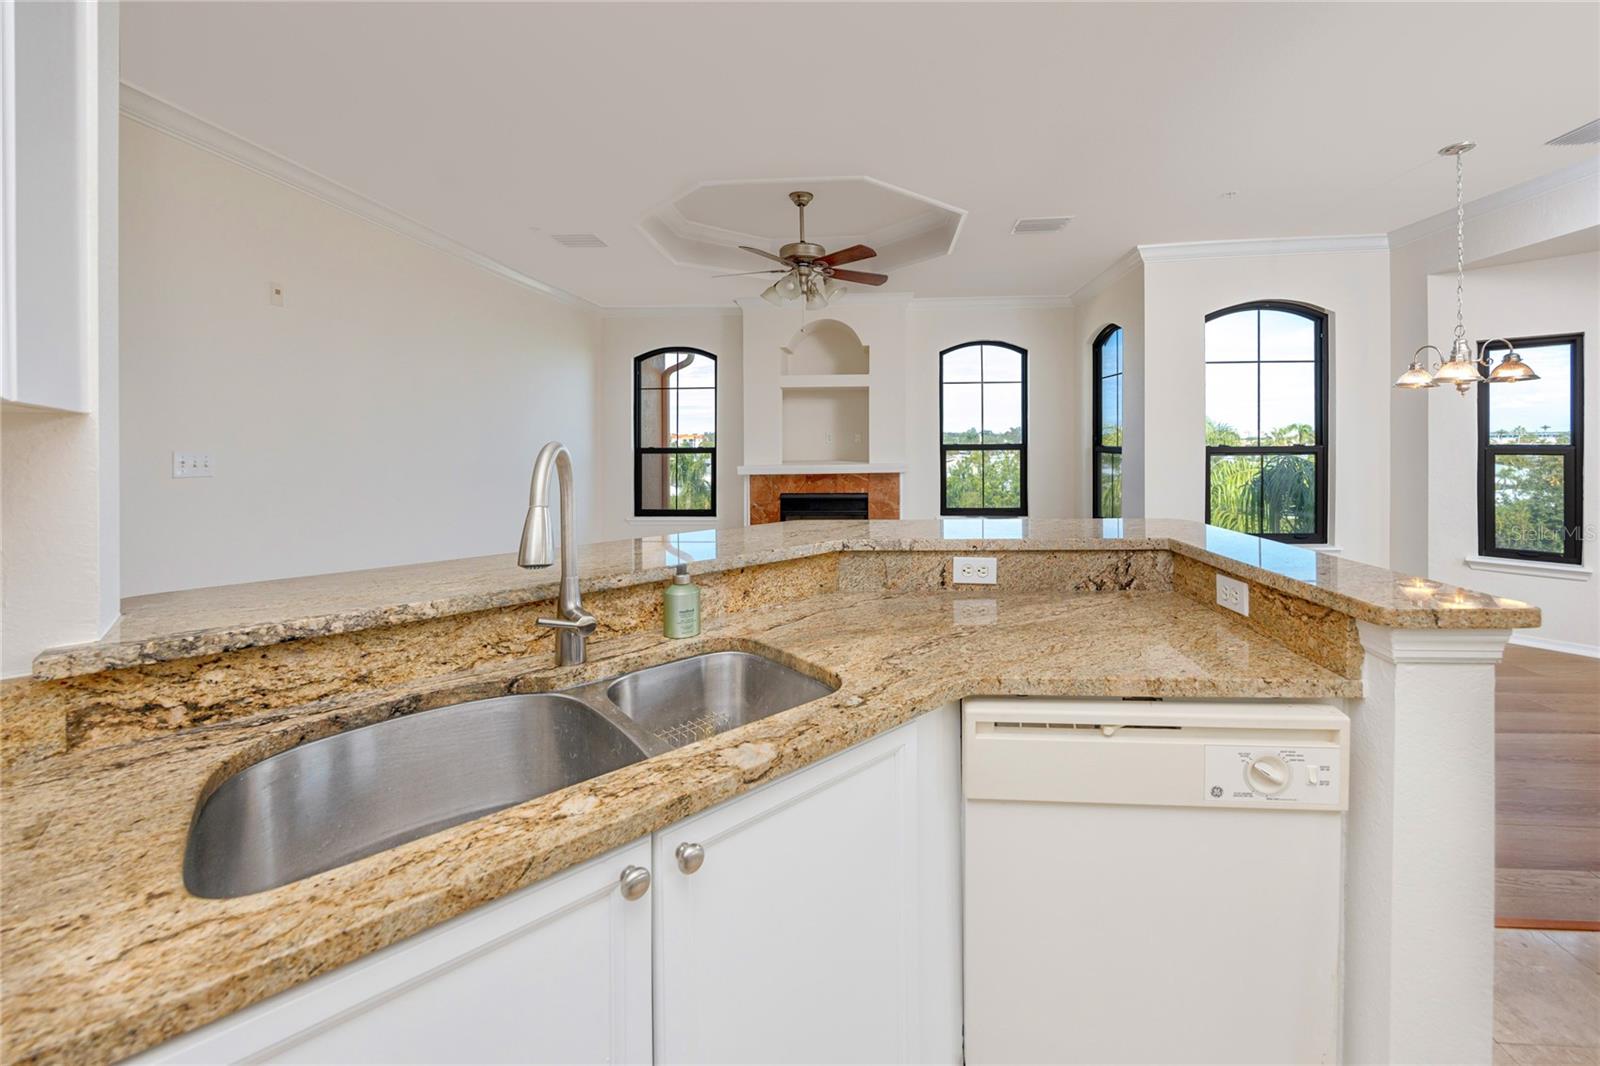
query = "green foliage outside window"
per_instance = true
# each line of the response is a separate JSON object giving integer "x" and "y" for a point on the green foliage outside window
{"x": 1530, "y": 493}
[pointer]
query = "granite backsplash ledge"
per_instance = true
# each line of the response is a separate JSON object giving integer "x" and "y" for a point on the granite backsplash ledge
{"x": 190, "y": 624}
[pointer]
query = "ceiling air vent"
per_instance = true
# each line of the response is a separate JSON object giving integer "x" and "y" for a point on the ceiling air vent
{"x": 1053, "y": 224}
{"x": 1040, "y": 224}
{"x": 1588, "y": 133}
{"x": 578, "y": 240}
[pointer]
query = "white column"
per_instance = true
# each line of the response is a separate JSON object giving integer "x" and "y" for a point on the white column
{"x": 1419, "y": 903}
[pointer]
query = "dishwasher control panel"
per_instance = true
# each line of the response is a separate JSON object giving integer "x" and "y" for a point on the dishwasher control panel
{"x": 1266, "y": 775}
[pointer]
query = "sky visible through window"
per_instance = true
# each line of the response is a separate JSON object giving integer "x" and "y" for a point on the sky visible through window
{"x": 1534, "y": 410}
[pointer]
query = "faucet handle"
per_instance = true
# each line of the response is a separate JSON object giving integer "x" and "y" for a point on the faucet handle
{"x": 585, "y": 623}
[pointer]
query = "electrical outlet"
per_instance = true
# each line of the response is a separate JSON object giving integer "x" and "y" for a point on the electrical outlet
{"x": 191, "y": 464}
{"x": 976, "y": 612}
{"x": 973, "y": 570}
{"x": 1233, "y": 594}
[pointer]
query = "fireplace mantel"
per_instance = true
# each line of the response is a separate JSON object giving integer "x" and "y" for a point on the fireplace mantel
{"x": 761, "y": 469}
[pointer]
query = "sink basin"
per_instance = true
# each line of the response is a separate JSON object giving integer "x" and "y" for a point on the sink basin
{"x": 681, "y": 702}
{"x": 339, "y": 799}
{"x": 335, "y": 800}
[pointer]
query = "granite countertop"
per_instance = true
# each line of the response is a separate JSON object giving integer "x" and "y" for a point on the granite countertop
{"x": 176, "y": 625}
{"x": 106, "y": 953}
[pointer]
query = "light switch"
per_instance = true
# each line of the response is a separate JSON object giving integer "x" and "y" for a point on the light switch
{"x": 191, "y": 464}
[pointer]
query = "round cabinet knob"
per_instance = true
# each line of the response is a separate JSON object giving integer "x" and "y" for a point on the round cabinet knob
{"x": 635, "y": 882}
{"x": 1267, "y": 774}
{"x": 690, "y": 857}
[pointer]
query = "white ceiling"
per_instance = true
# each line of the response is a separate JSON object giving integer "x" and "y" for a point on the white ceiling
{"x": 500, "y": 124}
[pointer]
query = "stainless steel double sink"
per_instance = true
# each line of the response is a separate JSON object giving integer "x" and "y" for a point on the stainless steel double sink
{"x": 332, "y": 801}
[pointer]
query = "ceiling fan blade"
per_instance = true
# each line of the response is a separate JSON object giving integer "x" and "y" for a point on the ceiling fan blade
{"x": 847, "y": 255}
{"x": 766, "y": 255}
{"x": 747, "y": 273}
{"x": 860, "y": 277}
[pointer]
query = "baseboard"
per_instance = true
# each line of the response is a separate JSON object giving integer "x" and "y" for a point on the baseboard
{"x": 1554, "y": 924}
{"x": 1588, "y": 651}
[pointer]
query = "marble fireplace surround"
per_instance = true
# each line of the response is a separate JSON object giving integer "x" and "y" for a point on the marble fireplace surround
{"x": 766, "y": 490}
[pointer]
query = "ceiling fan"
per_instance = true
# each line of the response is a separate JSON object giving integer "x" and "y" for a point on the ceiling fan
{"x": 810, "y": 271}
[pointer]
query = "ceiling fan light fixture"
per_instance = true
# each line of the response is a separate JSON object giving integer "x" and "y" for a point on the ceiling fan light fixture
{"x": 832, "y": 289}
{"x": 789, "y": 286}
{"x": 773, "y": 293}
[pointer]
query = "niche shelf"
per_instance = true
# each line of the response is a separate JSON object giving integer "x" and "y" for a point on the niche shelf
{"x": 826, "y": 425}
{"x": 825, "y": 348}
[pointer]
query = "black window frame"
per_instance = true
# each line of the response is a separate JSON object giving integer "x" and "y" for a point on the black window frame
{"x": 1318, "y": 450}
{"x": 1021, "y": 511}
{"x": 1572, "y": 460}
{"x": 640, "y": 451}
{"x": 1097, "y": 422}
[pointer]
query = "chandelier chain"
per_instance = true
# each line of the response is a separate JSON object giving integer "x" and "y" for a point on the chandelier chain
{"x": 1461, "y": 252}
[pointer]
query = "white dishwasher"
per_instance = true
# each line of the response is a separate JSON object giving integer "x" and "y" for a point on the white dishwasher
{"x": 1153, "y": 882}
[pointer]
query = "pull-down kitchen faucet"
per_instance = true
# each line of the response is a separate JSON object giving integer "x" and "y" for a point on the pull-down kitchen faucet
{"x": 575, "y": 624}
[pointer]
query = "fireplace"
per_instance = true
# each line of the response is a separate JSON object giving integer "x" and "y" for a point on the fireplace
{"x": 792, "y": 505}
{"x": 770, "y": 495}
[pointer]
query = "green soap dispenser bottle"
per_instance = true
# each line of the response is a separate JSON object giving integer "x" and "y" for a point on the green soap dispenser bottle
{"x": 682, "y": 615}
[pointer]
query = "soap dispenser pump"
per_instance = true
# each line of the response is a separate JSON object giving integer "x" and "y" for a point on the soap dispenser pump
{"x": 681, "y": 617}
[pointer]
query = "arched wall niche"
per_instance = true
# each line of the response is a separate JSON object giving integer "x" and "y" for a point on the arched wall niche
{"x": 826, "y": 346}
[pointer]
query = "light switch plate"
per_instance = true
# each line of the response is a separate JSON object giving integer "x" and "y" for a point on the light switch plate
{"x": 1233, "y": 594}
{"x": 973, "y": 570}
{"x": 191, "y": 464}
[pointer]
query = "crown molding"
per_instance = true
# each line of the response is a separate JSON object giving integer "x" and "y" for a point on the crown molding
{"x": 1120, "y": 268}
{"x": 1403, "y": 646}
{"x": 1018, "y": 303}
{"x": 1585, "y": 170}
{"x": 1177, "y": 253}
{"x": 156, "y": 113}
{"x": 727, "y": 310}
{"x": 853, "y": 299}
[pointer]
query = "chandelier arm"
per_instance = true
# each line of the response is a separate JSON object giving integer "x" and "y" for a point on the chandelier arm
{"x": 1484, "y": 358}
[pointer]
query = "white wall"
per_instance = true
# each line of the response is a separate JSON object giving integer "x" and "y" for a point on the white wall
{"x": 1058, "y": 399}
{"x": 627, "y": 335}
{"x": 1527, "y": 299}
{"x": 1353, "y": 287}
{"x": 1562, "y": 203}
{"x": 1117, "y": 298}
{"x": 388, "y": 413}
{"x": 59, "y": 580}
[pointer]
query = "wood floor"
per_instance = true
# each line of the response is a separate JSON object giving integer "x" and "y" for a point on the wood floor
{"x": 1547, "y": 779}
{"x": 1546, "y": 997}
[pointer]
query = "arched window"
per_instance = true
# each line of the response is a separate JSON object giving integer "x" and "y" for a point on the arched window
{"x": 1266, "y": 420}
{"x": 1107, "y": 443}
{"x": 983, "y": 429}
{"x": 675, "y": 433}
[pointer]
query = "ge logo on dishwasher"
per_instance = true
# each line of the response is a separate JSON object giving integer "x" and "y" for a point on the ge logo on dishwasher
{"x": 1216, "y": 791}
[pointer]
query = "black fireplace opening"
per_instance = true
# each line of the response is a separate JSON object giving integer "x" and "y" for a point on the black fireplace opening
{"x": 822, "y": 505}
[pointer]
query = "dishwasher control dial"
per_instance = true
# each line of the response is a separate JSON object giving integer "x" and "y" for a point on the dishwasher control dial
{"x": 1267, "y": 774}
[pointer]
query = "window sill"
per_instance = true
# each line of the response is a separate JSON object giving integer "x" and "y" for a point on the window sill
{"x": 1529, "y": 568}
{"x": 667, "y": 520}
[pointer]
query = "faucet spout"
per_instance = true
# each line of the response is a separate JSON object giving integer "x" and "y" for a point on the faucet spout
{"x": 537, "y": 550}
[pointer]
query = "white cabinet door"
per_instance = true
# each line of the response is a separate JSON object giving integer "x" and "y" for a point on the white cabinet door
{"x": 823, "y": 924}
{"x": 558, "y": 972}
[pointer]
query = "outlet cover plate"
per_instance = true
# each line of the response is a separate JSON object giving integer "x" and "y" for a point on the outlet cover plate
{"x": 973, "y": 570}
{"x": 1233, "y": 594}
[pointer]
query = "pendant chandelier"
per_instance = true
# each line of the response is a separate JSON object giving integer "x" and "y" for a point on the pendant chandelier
{"x": 1462, "y": 368}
